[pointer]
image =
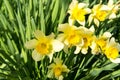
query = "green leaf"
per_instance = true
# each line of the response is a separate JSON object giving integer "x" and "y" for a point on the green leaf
{"x": 24, "y": 55}
{"x": 7, "y": 57}
{"x": 55, "y": 11}
{"x": 94, "y": 72}
{"x": 10, "y": 9}
{"x": 28, "y": 22}
{"x": 111, "y": 75}
{"x": 21, "y": 26}
{"x": 41, "y": 14}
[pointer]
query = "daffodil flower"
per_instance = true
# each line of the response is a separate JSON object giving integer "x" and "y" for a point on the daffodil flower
{"x": 113, "y": 9}
{"x": 88, "y": 36}
{"x": 95, "y": 49}
{"x": 102, "y": 40}
{"x": 99, "y": 43}
{"x": 57, "y": 69}
{"x": 112, "y": 50}
{"x": 77, "y": 12}
{"x": 71, "y": 35}
{"x": 43, "y": 45}
{"x": 99, "y": 13}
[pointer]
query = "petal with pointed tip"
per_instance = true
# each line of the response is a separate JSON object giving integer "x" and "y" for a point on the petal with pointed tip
{"x": 110, "y": 2}
{"x": 38, "y": 34}
{"x": 107, "y": 35}
{"x": 96, "y": 22}
{"x": 77, "y": 50}
{"x": 90, "y": 19}
{"x": 50, "y": 55}
{"x": 71, "y": 21}
{"x": 36, "y": 56}
{"x": 81, "y": 5}
{"x": 88, "y": 10}
{"x": 31, "y": 44}
{"x": 58, "y": 61}
{"x": 117, "y": 60}
{"x": 112, "y": 16}
{"x": 84, "y": 50}
{"x": 81, "y": 22}
{"x": 57, "y": 45}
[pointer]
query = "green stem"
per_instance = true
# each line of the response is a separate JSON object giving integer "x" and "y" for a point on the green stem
{"x": 81, "y": 67}
{"x": 38, "y": 72}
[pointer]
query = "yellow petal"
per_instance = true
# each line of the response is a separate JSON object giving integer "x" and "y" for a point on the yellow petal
{"x": 60, "y": 37}
{"x": 63, "y": 27}
{"x": 92, "y": 29}
{"x": 112, "y": 16}
{"x": 95, "y": 48}
{"x": 58, "y": 61}
{"x": 65, "y": 69}
{"x": 51, "y": 65}
{"x": 31, "y": 44}
{"x": 81, "y": 5}
{"x": 81, "y": 22}
{"x": 107, "y": 35}
{"x": 60, "y": 77}
{"x": 66, "y": 49}
{"x": 57, "y": 45}
{"x": 73, "y": 4}
{"x": 38, "y": 34}
{"x": 88, "y": 10}
{"x": 96, "y": 22}
{"x": 104, "y": 7}
{"x": 36, "y": 56}
{"x": 51, "y": 36}
{"x": 117, "y": 60}
{"x": 93, "y": 45}
{"x": 110, "y": 2}
{"x": 90, "y": 19}
{"x": 50, "y": 56}
{"x": 50, "y": 74}
{"x": 71, "y": 21}
{"x": 77, "y": 50}
{"x": 84, "y": 50}
{"x": 66, "y": 42}
{"x": 112, "y": 42}
{"x": 66, "y": 28}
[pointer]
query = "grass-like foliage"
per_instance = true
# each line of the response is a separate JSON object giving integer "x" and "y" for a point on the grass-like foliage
{"x": 59, "y": 40}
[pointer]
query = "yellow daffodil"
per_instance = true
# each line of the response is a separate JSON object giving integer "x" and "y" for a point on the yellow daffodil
{"x": 43, "y": 45}
{"x": 77, "y": 12}
{"x": 95, "y": 49}
{"x": 99, "y": 43}
{"x": 102, "y": 40}
{"x": 113, "y": 9}
{"x": 88, "y": 37}
{"x": 99, "y": 13}
{"x": 71, "y": 35}
{"x": 57, "y": 69}
{"x": 112, "y": 50}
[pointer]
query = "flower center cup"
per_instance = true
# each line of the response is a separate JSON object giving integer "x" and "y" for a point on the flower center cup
{"x": 101, "y": 15}
{"x": 44, "y": 48}
{"x": 111, "y": 52}
{"x": 58, "y": 71}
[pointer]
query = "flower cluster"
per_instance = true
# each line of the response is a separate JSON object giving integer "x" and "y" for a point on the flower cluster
{"x": 84, "y": 38}
{"x": 98, "y": 13}
{"x": 81, "y": 37}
